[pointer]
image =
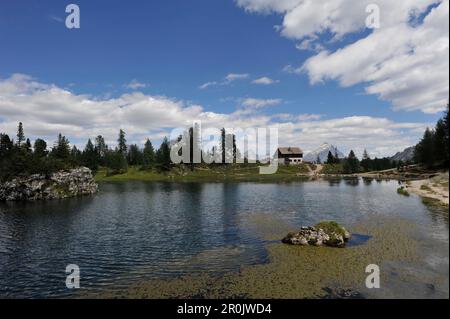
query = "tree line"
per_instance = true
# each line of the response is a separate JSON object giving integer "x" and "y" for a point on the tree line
{"x": 431, "y": 152}
{"x": 19, "y": 157}
{"x": 433, "y": 149}
{"x": 351, "y": 164}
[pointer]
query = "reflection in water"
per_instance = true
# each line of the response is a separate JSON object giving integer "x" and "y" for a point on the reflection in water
{"x": 143, "y": 230}
{"x": 334, "y": 181}
{"x": 351, "y": 181}
{"x": 367, "y": 180}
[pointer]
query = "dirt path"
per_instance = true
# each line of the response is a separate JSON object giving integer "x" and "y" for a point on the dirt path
{"x": 436, "y": 187}
{"x": 315, "y": 172}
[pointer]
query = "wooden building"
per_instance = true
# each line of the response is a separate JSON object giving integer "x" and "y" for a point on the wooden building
{"x": 289, "y": 155}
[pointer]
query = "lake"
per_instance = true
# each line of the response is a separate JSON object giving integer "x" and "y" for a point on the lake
{"x": 135, "y": 231}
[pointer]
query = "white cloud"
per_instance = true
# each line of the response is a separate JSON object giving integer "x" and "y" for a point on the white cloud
{"x": 306, "y": 117}
{"x": 401, "y": 62}
{"x": 136, "y": 85}
{"x": 259, "y": 103}
{"x": 290, "y": 69}
{"x": 207, "y": 85}
{"x": 264, "y": 81}
{"x": 310, "y": 45}
{"x": 236, "y": 76}
{"x": 267, "y": 6}
{"x": 56, "y": 18}
{"x": 229, "y": 78}
{"x": 47, "y": 110}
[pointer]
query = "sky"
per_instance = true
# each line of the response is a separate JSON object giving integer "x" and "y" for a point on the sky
{"x": 311, "y": 68}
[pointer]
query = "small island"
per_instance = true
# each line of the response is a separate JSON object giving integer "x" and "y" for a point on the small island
{"x": 326, "y": 233}
{"x": 59, "y": 185}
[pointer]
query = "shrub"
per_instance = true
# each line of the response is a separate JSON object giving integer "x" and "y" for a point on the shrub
{"x": 402, "y": 191}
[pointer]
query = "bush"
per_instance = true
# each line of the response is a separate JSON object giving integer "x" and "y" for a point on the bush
{"x": 402, "y": 191}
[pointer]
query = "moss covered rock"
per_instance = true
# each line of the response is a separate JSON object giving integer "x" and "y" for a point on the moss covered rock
{"x": 328, "y": 233}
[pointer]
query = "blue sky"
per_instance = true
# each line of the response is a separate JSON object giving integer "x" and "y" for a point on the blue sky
{"x": 170, "y": 48}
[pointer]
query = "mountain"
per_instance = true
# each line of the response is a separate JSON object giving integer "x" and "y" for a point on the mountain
{"x": 406, "y": 155}
{"x": 322, "y": 152}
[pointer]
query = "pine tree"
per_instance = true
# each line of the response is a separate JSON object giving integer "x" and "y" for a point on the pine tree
{"x": 61, "y": 149}
{"x": 100, "y": 149}
{"x": 6, "y": 145}
{"x": 149, "y": 153}
{"x": 89, "y": 157}
{"x": 440, "y": 144}
{"x": 115, "y": 162}
{"x": 366, "y": 155}
{"x": 20, "y": 134}
{"x": 336, "y": 157}
{"x": 424, "y": 151}
{"x": 330, "y": 158}
{"x": 365, "y": 162}
{"x": 76, "y": 155}
{"x": 351, "y": 163}
{"x": 122, "y": 143}
{"x": 28, "y": 146}
{"x": 40, "y": 148}
{"x": 163, "y": 155}
{"x": 134, "y": 156}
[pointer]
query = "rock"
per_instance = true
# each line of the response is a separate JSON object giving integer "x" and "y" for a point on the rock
{"x": 347, "y": 234}
{"x": 341, "y": 293}
{"x": 325, "y": 233}
{"x": 62, "y": 184}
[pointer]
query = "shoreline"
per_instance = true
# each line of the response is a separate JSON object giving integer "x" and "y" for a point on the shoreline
{"x": 250, "y": 174}
{"x": 435, "y": 188}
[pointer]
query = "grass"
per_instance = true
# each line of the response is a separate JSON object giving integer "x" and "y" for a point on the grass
{"x": 434, "y": 203}
{"x": 330, "y": 227}
{"x": 402, "y": 191}
{"x": 332, "y": 169}
{"x": 239, "y": 172}
{"x": 426, "y": 188}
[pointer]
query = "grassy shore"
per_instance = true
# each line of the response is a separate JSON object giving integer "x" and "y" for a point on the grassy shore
{"x": 238, "y": 173}
{"x": 434, "y": 191}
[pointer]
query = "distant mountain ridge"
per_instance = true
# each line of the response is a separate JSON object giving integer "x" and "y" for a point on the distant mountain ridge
{"x": 406, "y": 155}
{"x": 322, "y": 153}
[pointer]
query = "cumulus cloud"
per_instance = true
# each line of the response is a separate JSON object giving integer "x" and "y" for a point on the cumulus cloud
{"x": 264, "y": 81}
{"x": 405, "y": 61}
{"x": 47, "y": 110}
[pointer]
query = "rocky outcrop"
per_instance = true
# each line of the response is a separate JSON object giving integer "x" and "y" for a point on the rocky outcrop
{"x": 323, "y": 234}
{"x": 62, "y": 184}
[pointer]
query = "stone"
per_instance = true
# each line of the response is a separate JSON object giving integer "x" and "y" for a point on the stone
{"x": 62, "y": 184}
{"x": 323, "y": 234}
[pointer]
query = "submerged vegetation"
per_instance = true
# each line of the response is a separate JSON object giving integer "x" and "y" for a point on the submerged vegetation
{"x": 434, "y": 203}
{"x": 292, "y": 271}
{"x": 403, "y": 191}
